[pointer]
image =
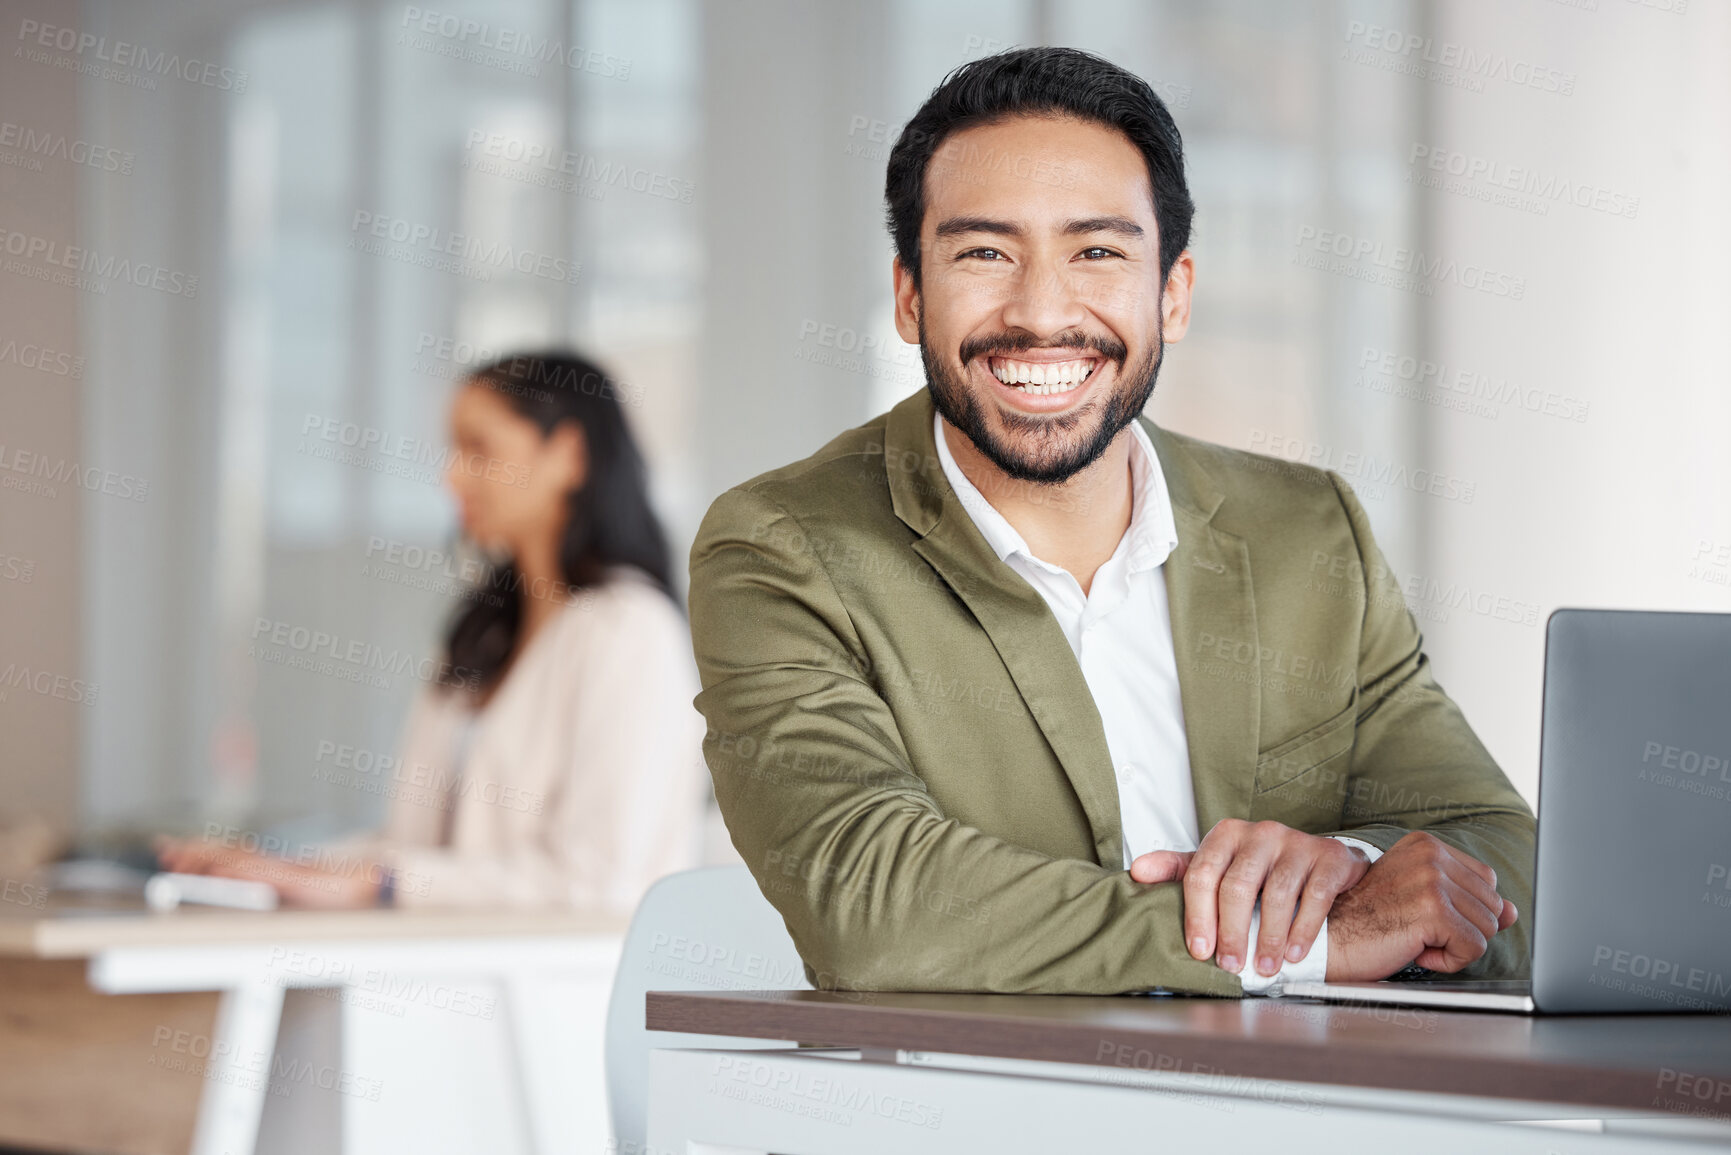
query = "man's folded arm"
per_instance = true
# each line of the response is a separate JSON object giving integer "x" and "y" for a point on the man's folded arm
{"x": 879, "y": 890}
{"x": 1417, "y": 765}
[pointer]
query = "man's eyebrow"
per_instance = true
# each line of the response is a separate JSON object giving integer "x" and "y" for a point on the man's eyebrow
{"x": 955, "y": 226}
{"x": 1121, "y": 226}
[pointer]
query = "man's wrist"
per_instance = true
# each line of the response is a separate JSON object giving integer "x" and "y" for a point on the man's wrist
{"x": 1313, "y": 967}
{"x": 1371, "y": 851}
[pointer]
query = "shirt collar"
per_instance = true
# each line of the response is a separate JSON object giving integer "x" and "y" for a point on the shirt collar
{"x": 1150, "y": 540}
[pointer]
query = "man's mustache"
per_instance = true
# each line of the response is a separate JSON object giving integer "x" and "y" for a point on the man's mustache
{"x": 1002, "y": 344}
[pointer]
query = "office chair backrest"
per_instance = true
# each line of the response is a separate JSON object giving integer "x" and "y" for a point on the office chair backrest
{"x": 708, "y": 929}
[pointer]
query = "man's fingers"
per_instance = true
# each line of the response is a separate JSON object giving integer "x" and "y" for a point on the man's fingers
{"x": 1508, "y": 916}
{"x": 1202, "y": 886}
{"x": 1161, "y": 865}
{"x": 1473, "y": 882}
{"x": 1464, "y": 945}
{"x": 1464, "y": 929}
{"x": 1280, "y": 900}
{"x": 1481, "y": 869}
{"x": 1313, "y": 907}
{"x": 1240, "y": 887}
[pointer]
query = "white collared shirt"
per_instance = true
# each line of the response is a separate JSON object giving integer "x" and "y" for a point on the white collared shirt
{"x": 1121, "y": 633}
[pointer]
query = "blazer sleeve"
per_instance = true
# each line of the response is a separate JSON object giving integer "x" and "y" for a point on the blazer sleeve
{"x": 1417, "y": 765}
{"x": 878, "y": 888}
{"x": 627, "y": 807}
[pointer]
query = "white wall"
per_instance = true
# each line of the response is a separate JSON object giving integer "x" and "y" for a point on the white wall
{"x": 1625, "y": 314}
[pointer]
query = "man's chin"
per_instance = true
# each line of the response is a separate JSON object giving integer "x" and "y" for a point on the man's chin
{"x": 1046, "y": 456}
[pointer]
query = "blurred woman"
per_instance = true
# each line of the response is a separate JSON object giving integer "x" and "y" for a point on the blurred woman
{"x": 558, "y": 760}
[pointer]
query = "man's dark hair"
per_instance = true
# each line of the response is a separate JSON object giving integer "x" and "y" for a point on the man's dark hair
{"x": 1040, "y": 82}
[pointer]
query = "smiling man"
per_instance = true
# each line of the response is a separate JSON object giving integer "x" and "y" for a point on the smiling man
{"x": 1010, "y": 689}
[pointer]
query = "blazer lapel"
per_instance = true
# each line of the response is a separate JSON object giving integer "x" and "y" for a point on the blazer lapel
{"x": 1214, "y": 637}
{"x": 1014, "y": 616}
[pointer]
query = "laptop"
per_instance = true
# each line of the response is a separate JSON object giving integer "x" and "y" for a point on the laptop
{"x": 1632, "y": 893}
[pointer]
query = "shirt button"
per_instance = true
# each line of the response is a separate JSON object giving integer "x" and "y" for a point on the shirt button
{"x": 1125, "y": 772}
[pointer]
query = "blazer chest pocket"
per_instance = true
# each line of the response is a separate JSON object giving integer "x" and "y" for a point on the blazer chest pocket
{"x": 1299, "y": 756}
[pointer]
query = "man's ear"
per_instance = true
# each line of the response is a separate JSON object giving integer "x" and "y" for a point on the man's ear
{"x": 907, "y": 302}
{"x": 1175, "y": 300}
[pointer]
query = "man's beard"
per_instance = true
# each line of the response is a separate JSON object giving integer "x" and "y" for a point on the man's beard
{"x": 1051, "y": 449}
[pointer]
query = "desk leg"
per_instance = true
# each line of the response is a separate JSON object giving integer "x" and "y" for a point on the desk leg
{"x": 238, "y": 1077}
{"x": 519, "y": 1030}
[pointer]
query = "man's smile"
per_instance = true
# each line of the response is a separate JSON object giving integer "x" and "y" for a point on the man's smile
{"x": 1042, "y": 381}
{"x": 1043, "y": 376}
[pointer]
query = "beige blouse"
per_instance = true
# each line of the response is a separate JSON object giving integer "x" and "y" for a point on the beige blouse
{"x": 581, "y": 781}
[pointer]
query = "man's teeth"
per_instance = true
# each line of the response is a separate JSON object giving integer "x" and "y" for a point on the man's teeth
{"x": 1042, "y": 377}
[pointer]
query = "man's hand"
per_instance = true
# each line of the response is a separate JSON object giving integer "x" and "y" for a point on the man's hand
{"x": 1424, "y": 902}
{"x": 1240, "y": 862}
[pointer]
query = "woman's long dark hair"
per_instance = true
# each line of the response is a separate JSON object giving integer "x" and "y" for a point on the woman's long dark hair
{"x": 610, "y": 520}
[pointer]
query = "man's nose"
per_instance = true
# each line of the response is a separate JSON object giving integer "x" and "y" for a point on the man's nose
{"x": 1043, "y": 302}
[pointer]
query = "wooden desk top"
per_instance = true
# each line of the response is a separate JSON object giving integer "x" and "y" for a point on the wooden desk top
{"x": 1639, "y": 1062}
{"x": 74, "y": 929}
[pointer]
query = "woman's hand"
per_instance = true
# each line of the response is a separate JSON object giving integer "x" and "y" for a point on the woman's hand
{"x": 348, "y": 885}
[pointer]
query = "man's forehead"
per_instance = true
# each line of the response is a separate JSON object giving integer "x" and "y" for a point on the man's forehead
{"x": 1039, "y": 166}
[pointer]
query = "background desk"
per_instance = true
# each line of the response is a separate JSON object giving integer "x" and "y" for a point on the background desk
{"x": 1042, "y": 1073}
{"x": 370, "y": 1031}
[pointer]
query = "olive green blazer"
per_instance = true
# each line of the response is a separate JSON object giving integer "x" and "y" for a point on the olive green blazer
{"x": 909, "y": 760}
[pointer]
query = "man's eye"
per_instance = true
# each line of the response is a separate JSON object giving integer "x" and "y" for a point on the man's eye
{"x": 1096, "y": 253}
{"x": 983, "y": 254}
